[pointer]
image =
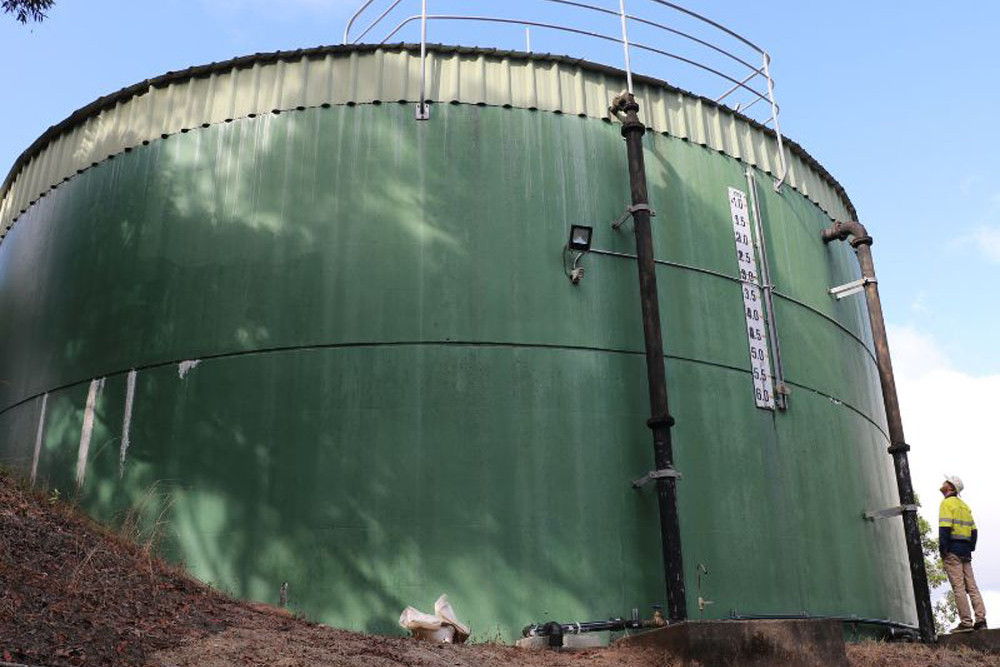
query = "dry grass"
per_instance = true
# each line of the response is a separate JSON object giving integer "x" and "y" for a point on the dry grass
{"x": 881, "y": 654}
{"x": 140, "y": 530}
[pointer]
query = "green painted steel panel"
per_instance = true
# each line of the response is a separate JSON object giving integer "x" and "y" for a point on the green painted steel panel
{"x": 400, "y": 394}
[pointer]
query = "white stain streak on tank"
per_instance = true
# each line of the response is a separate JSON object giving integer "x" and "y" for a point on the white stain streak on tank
{"x": 185, "y": 367}
{"x": 38, "y": 438}
{"x": 88, "y": 429}
{"x": 127, "y": 421}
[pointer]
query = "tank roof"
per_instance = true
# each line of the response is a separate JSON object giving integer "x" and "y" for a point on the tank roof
{"x": 371, "y": 73}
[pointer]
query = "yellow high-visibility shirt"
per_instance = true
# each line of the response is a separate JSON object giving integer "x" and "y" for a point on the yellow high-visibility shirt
{"x": 955, "y": 514}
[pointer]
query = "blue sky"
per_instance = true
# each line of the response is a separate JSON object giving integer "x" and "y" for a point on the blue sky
{"x": 897, "y": 100}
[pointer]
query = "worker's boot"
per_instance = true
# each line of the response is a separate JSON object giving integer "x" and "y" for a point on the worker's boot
{"x": 980, "y": 625}
{"x": 962, "y": 627}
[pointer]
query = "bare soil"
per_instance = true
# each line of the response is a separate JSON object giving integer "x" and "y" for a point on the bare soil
{"x": 74, "y": 593}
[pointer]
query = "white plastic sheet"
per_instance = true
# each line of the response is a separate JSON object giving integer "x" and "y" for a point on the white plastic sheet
{"x": 443, "y": 626}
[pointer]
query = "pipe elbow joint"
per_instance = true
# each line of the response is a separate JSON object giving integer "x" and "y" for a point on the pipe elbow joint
{"x": 833, "y": 233}
{"x": 625, "y": 102}
{"x": 840, "y": 231}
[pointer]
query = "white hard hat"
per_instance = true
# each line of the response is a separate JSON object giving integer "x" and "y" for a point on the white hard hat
{"x": 955, "y": 481}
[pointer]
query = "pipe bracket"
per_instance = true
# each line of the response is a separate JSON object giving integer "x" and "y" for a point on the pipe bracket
{"x": 630, "y": 211}
{"x": 853, "y": 287}
{"x": 888, "y": 513}
{"x": 655, "y": 474}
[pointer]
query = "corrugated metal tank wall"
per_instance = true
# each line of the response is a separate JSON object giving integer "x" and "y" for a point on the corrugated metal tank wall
{"x": 400, "y": 394}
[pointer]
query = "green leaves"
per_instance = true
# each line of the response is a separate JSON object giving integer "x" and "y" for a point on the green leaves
{"x": 27, "y": 10}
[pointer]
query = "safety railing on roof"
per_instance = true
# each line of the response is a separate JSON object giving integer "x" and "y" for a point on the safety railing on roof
{"x": 719, "y": 53}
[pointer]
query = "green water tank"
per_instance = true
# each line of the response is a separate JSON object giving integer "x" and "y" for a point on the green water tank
{"x": 307, "y": 338}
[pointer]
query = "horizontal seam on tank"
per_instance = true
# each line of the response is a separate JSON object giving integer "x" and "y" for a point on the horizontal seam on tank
{"x": 850, "y": 333}
{"x": 333, "y": 346}
{"x": 725, "y": 276}
{"x": 848, "y": 405}
{"x": 329, "y": 105}
{"x": 456, "y": 343}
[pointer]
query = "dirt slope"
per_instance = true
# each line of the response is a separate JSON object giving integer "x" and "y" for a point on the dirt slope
{"x": 72, "y": 593}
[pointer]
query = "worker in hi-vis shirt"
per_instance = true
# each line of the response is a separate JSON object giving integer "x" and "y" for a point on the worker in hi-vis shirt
{"x": 957, "y": 535}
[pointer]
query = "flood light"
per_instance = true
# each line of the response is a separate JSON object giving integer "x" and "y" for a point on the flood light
{"x": 579, "y": 237}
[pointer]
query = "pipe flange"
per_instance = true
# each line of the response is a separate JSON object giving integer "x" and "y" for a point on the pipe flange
{"x": 898, "y": 448}
{"x": 653, "y": 422}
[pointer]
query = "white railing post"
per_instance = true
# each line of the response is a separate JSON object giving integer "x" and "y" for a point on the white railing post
{"x": 347, "y": 29}
{"x": 423, "y": 113}
{"x": 778, "y": 182}
{"x": 628, "y": 61}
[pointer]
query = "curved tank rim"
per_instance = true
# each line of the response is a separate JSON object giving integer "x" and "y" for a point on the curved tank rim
{"x": 243, "y": 62}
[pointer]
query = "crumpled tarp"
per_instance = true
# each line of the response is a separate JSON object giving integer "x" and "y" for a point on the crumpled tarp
{"x": 443, "y": 626}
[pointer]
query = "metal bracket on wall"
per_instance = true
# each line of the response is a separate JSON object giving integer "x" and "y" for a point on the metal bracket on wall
{"x": 655, "y": 474}
{"x": 423, "y": 111}
{"x": 888, "y": 513}
{"x": 628, "y": 214}
{"x": 850, "y": 288}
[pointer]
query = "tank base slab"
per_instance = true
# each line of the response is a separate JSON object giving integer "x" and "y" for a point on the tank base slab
{"x": 987, "y": 641}
{"x": 790, "y": 643}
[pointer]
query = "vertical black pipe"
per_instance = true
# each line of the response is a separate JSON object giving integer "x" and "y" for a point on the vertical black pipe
{"x": 660, "y": 420}
{"x": 897, "y": 443}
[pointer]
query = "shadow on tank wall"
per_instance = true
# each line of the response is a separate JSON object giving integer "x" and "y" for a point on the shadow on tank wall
{"x": 325, "y": 440}
{"x": 398, "y": 394}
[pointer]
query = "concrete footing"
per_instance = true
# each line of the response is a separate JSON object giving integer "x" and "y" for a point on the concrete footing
{"x": 570, "y": 642}
{"x": 987, "y": 641}
{"x": 764, "y": 643}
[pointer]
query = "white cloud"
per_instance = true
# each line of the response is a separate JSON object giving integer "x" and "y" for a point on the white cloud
{"x": 914, "y": 354}
{"x": 991, "y": 599}
{"x": 985, "y": 230}
{"x": 970, "y": 184}
{"x": 919, "y": 304}
{"x": 950, "y": 420}
{"x": 987, "y": 239}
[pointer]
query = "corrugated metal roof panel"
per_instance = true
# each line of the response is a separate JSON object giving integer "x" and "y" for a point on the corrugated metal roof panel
{"x": 263, "y": 83}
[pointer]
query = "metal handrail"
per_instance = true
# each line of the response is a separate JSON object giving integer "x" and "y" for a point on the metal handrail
{"x": 371, "y": 25}
{"x": 578, "y": 31}
{"x": 741, "y": 81}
